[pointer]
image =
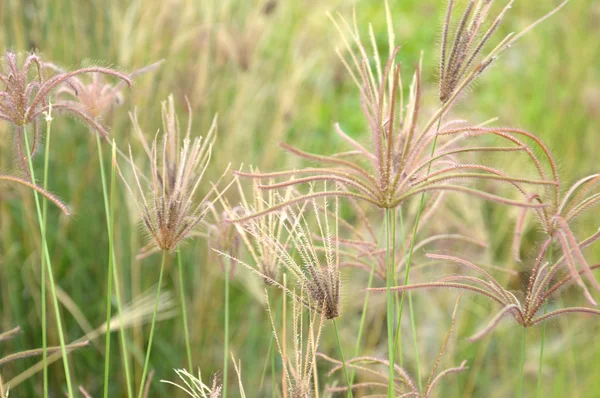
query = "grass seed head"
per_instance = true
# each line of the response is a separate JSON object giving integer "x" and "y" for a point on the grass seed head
{"x": 25, "y": 96}
{"x": 169, "y": 206}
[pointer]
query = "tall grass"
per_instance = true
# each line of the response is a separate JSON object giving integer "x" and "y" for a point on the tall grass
{"x": 271, "y": 76}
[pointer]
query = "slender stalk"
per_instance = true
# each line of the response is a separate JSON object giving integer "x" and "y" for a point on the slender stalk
{"x": 398, "y": 339}
{"x": 522, "y": 365}
{"x": 43, "y": 263}
{"x": 271, "y": 356}
{"x": 337, "y": 335}
{"x": 409, "y": 261}
{"x": 273, "y": 385}
{"x": 226, "y": 347}
{"x": 153, "y": 324}
{"x": 109, "y": 212}
{"x": 108, "y": 306}
{"x": 46, "y": 255}
{"x": 390, "y": 303}
{"x": 541, "y": 365}
{"x": 184, "y": 312}
{"x": 284, "y": 338}
{"x": 363, "y": 316}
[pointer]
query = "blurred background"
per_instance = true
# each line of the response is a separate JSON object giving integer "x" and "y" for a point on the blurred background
{"x": 270, "y": 71}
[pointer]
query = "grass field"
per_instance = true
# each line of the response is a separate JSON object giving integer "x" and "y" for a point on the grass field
{"x": 269, "y": 69}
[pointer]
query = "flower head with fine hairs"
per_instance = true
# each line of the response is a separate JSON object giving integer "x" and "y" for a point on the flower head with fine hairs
{"x": 545, "y": 281}
{"x": 24, "y": 99}
{"x": 170, "y": 208}
{"x": 404, "y": 158}
{"x": 318, "y": 271}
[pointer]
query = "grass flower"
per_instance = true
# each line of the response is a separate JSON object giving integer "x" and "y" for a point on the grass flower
{"x": 262, "y": 252}
{"x": 171, "y": 211}
{"x": 461, "y": 62}
{"x": 23, "y": 99}
{"x": 169, "y": 208}
{"x": 52, "y": 198}
{"x": 97, "y": 97}
{"x": 396, "y": 164}
{"x": 4, "y": 336}
{"x": 300, "y": 370}
{"x": 193, "y": 385}
{"x": 318, "y": 270}
{"x": 545, "y": 281}
{"x": 556, "y": 220}
{"x": 362, "y": 248}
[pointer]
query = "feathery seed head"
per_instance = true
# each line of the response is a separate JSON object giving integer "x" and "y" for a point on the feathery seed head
{"x": 318, "y": 271}
{"x": 263, "y": 254}
{"x": 97, "y": 97}
{"x": 24, "y": 99}
{"x": 545, "y": 280}
{"x": 223, "y": 236}
{"x": 169, "y": 207}
{"x": 195, "y": 387}
{"x": 460, "y": 57}
{"x": 299, "y": 367}
{"x": 402, "y": 158}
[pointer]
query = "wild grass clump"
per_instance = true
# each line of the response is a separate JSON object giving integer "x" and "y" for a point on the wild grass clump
{"x": 427, "y": 195}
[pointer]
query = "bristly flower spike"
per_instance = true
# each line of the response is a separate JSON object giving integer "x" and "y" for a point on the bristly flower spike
{"x": 542, "y": 285}
{"x": 399, "y": 166}
{"x": 318, "y": 272}
{"x": 97, "y": 97}
{"x": 170, "y": 210}
{"x": 41, "y": 190}
{"x": 556, "y": 220}
{"x": 459, "y": 63}
{"x": 23, "y": 100}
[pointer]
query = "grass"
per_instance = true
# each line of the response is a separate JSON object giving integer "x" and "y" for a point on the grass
{"x": 292, "y": 85}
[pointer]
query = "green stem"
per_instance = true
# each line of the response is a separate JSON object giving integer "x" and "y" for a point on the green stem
{"x": 43, "y": 264}
{"x": 270, "y": 354}
{"x": 522, "y": 365}
{"x": 390, "y": 303}
{"x": 398, "y": 339}
{"x": 541, "y": 366}
{"x": 152, "y": 326}
{"x": 413, "y": 327}
{"x": 273, "y": 384}
{"x": 184, "y": 312}
{"x": 108, "y": 316}
{"x": 337, "y": 335}
{"x": 46, "y": 255}
{"x": 363, "y": 317}
{"x": 109, "y": 209}
{"x": 409, "y": 262}
{"x": 226, "y": 345}
{"x": 109, "y": 212}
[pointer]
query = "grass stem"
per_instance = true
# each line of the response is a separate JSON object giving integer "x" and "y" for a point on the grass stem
{"x": 186, "y": 332}
{"x": 226, "y": 333}
{"x": 152, "y": 326}
{"x": 409, "y": 262}
{"x": 43, "y": 262}
{"x": 363, "y": 317}
{"x": 109, "y": 210}
{"x": 337, "y": 335}
{"x": 541, "y": 365}
{"x": 522, "y": 364}
{"x": 46, "y": 255}
{"x": 390, "y": 302}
